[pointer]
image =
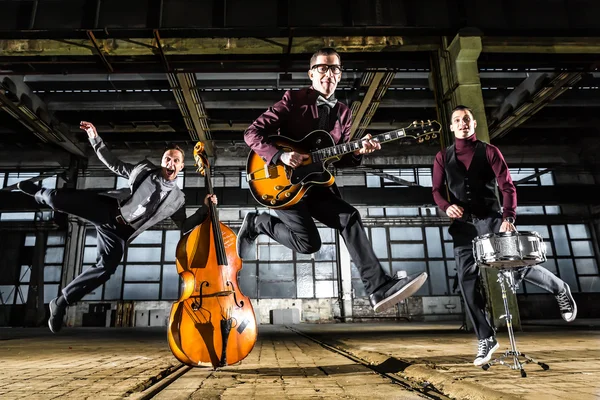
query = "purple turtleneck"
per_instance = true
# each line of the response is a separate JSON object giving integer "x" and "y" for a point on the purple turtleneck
{"x": 465, "y": 149}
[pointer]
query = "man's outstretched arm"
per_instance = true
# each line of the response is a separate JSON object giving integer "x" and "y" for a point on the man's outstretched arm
{"x": 104, "y": 154}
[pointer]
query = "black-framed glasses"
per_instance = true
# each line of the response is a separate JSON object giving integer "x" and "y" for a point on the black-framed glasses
{"x": 323, "y": 68}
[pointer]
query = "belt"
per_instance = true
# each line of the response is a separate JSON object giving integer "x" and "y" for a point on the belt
{"x": 119, "y": 218}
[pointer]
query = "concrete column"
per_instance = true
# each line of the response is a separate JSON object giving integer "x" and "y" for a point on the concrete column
{"x": 345, "y": 274}
{"x": 456, "y": 81}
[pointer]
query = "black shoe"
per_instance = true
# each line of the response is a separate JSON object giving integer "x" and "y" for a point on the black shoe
{"x": 247, "y": 234}
{"x": 485, "y": 349}
{"x": 28, "y": 187}
{"x": 566, "y": 304}
{"x": 57, "y": 314}
{"x": 396, "y": 290}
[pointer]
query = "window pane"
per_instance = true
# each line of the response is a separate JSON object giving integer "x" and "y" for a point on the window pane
{"x": 578, "y": 231}
{"x": 142, "y": 273}
{"x": 142, "y": 254}
{"x": 411, "y": 267}
{"x": 149, "y": 237}
{"x": 324, "y": 270}
{"x": 52, "y": 273}
{"x": 590, "y": 283}
{"x": 140, "y": 291}
{"x": 171, "y": 240}
{"x": 373, "y": 181}
{"x": 122, "y": 182}
{"x": 49, "y": 183}
{"x": 30, "y": 240}
{"x": 375, "y": 212}
{"x": 379, "y": 242}
{"x": 305, "y": 280}
{"x": 112, "y": 288}
{"x": 541, "y": 229}
{"x": 567, "y": 273}
{"x": 324, "y": 289}
{"x": 582, "y": 248}
{"x": 276, "y": 272}
{"x": 17, "y": 216}
{"x": 54, "y": 255}
{"x": 547, "y": 179}
{"x": 434, "y": 244}
{"x": 89, "y": 255}
{"x": 280, "y": 290}
{"x": 586, "y": 266}
{"x": 437, "y": 277}
{"x": 327, "y": 235}
{"x": 550, "y": 265}
{"x": 50, "y": 292}
{"x": 274, "y": 253}
{"x": 25, "y": 274}
{"x": 406, "y": 233}
{"x": 21, "y": 294}
{"x": 170, "y": 282}
{"x": 560, "y": 240}
{"x": 536, "y": 210}
{"x": 553, "y": 210}
{"x": 247, "y": 280}
{"x": 325, "y": 253}
{"x": 449, "y": 248}
{"x": 90, "y": 237}
{"x": 15, "y": 177}
{"x": 408, "y": 250}
{"x": 425, "y": 177}
{"x": 55, "y": 239}
{"x": 7, "y": 293}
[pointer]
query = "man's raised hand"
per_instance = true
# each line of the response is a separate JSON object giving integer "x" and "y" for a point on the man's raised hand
{"x": 89, "y": 128}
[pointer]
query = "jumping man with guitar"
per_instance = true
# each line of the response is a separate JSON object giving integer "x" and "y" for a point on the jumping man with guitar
{"x": 296, "y": 115}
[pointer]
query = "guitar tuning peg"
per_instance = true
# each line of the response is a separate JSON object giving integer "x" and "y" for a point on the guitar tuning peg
{"x": 414, "y": 122}
{"x": 429, "y": 121}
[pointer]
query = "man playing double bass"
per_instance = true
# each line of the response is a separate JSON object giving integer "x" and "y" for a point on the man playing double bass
{"x": 472, "y": 169}
{"x": 296, "y": 115}
{"x": 119, "y": 215}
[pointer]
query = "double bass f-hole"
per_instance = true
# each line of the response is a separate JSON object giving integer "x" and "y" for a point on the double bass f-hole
{"x": 197, "y": 304}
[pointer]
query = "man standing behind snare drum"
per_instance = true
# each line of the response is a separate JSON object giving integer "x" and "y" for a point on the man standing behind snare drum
{"x": 471, "y": 169}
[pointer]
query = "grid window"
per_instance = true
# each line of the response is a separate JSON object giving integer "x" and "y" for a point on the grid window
{"x": 532, "y": 176}
{"x": 53, "y": 265}
{"x": 571, "y": 255}
{"x": 283, "y": 273}
{"x": 147, "y": 271}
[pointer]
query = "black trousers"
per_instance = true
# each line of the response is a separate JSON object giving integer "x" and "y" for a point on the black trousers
{"x": 111, "y": 237}
{"x": 463, "y": 234}
{"x": 294, "y": 228}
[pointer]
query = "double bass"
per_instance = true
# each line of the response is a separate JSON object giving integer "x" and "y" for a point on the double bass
{"x": 212, "y": 322}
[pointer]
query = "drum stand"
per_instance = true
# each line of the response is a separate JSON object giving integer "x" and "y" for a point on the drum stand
{"x": 507, "y": 275}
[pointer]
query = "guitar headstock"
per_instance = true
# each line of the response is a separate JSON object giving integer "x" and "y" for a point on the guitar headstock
{"x": 201, "y": 158}
{"x": 423, "y": 130}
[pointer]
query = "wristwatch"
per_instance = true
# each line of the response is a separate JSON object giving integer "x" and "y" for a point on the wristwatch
{"x": 510, "y": 220}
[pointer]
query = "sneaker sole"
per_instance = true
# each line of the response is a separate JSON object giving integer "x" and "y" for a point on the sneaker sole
{"x": 402, "y": 294}
{"x": 574, "y": 307}
{"x": 237, "y": 241}
{"x": 51, "y": 313}
{"x": 488, "y": 358}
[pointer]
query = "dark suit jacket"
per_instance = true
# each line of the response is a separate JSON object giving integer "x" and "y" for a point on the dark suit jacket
{"x": 295, "y": 116}
{"x": 172, "y": 206}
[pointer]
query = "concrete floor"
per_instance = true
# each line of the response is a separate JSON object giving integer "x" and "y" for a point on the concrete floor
{"x": 304, "y": 361}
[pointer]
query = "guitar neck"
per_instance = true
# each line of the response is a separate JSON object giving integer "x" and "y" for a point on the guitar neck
{"x": 350, "y": 147}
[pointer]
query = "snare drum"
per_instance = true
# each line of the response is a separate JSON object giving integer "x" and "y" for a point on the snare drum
{"x": 509, "y": 249}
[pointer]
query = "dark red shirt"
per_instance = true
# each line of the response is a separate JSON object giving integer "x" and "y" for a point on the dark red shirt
{"x": 465, "y": 149}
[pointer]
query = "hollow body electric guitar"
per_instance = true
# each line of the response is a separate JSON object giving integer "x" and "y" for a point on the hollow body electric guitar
{"x": 279, "y": 186}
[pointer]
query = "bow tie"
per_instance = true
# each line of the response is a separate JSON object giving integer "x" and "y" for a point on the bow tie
{"x": 323, "y": 101}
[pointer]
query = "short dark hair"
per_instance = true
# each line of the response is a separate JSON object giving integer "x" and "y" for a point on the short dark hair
{"x": 325, "y": 51}
{"x": 460, "y": 107}
{"x": 173, "y": 146}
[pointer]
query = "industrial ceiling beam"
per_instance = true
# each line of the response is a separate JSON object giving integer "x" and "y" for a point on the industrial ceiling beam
{"x": 541, "y": 45}
{"x": 113, "y": 47}
{"x": 559, "y": 84}
{"x": 362, "y": 111}
{"x": 17, "y": 99}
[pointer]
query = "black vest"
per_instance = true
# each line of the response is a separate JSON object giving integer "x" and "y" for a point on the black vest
{"x": 475, "y": 189}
